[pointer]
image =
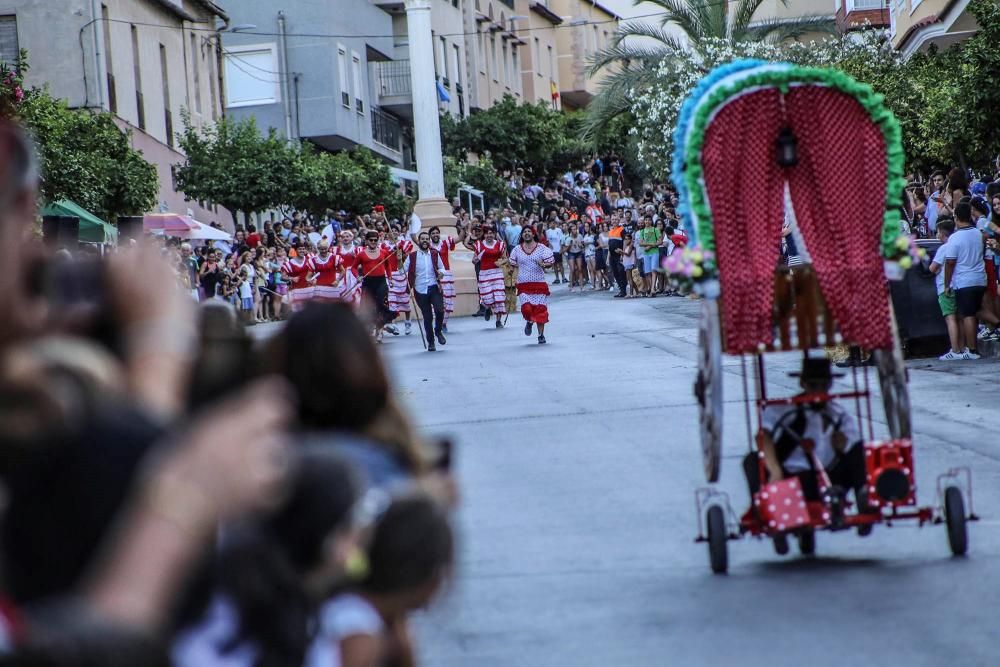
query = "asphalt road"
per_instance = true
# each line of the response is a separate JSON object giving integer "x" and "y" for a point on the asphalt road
{"x": 578, "y": 462}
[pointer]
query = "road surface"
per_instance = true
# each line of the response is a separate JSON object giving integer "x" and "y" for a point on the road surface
{"x": 578, "y": 462}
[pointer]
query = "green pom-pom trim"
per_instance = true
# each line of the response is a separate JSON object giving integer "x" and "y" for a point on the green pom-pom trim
{"x": 874, "y": 105}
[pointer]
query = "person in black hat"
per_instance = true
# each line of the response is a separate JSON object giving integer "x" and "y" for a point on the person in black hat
{"x": 834, "y": 432}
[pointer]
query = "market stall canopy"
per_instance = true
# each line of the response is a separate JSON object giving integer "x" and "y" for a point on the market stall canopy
{"x": 168, "y": 223}
{"x": 203, "y": 232}
{"x": 92, "y": 228}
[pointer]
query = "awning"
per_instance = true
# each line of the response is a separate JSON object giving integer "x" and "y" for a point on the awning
{"x": 92, "y": 228}
{"x": 168, "y": 223}
{"x": 202, "y": 232}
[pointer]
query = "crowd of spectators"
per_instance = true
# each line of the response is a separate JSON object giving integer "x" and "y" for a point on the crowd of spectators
{"x": 174, "y": 492}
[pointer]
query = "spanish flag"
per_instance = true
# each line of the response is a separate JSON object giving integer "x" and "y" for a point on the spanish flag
{"x": 553, "y": 90}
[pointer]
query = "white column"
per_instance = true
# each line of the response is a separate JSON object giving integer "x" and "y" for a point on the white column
{"x": 425, "y": 100}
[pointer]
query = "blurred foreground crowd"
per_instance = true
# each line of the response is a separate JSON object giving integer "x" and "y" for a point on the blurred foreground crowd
{"x": 172, "y": 493}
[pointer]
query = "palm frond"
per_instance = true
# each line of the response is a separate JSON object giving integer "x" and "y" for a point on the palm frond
{"x": 682, "y": 13}
{"x": 624, "y": 49}
{"x": 778, "y": 30}
{"x": 614, "y": 97}
{"x": 743, "y": 16}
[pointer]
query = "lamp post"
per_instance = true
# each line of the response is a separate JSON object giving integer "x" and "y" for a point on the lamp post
{"x": 432, "y": 207}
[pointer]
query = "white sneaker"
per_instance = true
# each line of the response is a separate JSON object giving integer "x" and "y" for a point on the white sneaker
{"x": 951, "y": 356}
{"x": 969, "y": 355}
{"x": 408, "y": 328}
{"x": 984, "y": 333}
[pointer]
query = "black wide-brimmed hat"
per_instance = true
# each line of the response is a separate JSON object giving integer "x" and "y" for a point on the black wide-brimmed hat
{"x": 816, "y": 369}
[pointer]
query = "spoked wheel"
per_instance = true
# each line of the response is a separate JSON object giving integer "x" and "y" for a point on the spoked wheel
{"x": 807, "y": 542}
{"x": 892, "y": 380}
{"x": 718, "y": 536}
{"x": 954, "y": 516}
{"x": 708, "y": 388}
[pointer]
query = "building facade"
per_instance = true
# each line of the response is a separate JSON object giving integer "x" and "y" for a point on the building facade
{"x": 860, "y": 14}
{"x": 494, "y": 51}
{"x": 142, "y": 60}
{"x": 916, "y": 25}
{"x": 307, "y": 71}
{"x": 540, "y": 57}
{"x": 587, "y": 27}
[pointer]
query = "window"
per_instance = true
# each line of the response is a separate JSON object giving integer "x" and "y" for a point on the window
{"x": 515, "y": 66}
{"x": 537, "y": 57}
{"x": 251, "y": 75}
{"x": 168, "y": 118}
{"x": 196, "y": 67}
{"x": 443, "y": 47}
{"x": 481, "y": 44}
{"x": 212, "y": 79}
{"x": 493, "y": 56}
{"x": 137, "y": 79}
{"x": 457, "y": 64}
{"x": 359, "y": 102}
{"x": 596, "y": 35}
{"x": 506, "y": 66}
{"x": 345, "y": 76}
{"x": 552, "y": 64}
{"x": 8, "y": 39}
{"x": 109, "y": 71}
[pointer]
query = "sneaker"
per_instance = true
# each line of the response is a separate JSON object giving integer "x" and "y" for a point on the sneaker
{"x": 378, "y": 337}
{"x": 431, "y": 348}
{"x": 541, "y": 340}
{"x": 994, "y": 335}
{"x": 488, "y": 315}
{"x": 527, "y": 328}
{"x": 391, "y": 328}
{"x": 408, "y": 328}
{"x": 555, "y": 282}
{"x": 499, "y": 323}
{"x": 441, "y": 339}
{"x": 985, "y": 333}
{"x": 620, "y": 295}
{"x": 951, "y": 356}
{"x": 970, "y": 355}
{"x": 980, "y": 329}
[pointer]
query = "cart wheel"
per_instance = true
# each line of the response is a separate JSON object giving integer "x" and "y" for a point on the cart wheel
{"x": 807, "y": 542}
{"x": 718, "y": 554}
{"x": 954, "y": 516}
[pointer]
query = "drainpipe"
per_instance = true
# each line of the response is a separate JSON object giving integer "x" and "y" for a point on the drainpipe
{"x": 102, "y": 76}
{"x": 283, "y": 45}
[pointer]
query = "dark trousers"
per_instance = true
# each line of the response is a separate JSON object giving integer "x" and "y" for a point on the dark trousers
{"x": 432, "y": 301}
{"x": 847, "y": 471}
{"x": 615, "y": 262}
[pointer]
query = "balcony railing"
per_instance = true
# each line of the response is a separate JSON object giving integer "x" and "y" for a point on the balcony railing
{"x": 386, "y": 130}
{"x": 393, "y": 78}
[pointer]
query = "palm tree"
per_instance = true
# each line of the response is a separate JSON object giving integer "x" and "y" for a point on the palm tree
{"x": 632, "y": 60}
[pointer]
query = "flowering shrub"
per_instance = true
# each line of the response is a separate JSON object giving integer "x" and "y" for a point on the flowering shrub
{"x": 12, "y": 86}
{"x": 656, "y": 109}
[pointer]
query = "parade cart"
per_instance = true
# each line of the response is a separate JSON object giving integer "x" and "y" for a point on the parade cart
{"x": 763, "y": 151}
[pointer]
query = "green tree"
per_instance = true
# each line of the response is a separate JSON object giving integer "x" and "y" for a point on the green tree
{"x": 87, "y": 158}
{"x": 231, "y": 163}
{"x": 354, "y": 180}
{"x": 481, "y": 176}
{"x": 639, "y": 48}
{"x": 531, "y": 136}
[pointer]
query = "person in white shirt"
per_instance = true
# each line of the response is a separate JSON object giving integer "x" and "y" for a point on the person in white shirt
{"x": 425, "y": 273}
{"x": 554, "y": 235}
{"x": 965, "y": 274}
{"x": 945, "y": 227}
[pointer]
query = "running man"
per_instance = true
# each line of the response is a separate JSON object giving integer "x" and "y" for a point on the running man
{"x": 532, "y": 258}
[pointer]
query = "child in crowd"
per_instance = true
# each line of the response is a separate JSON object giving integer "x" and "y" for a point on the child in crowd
{"x": 946, "y": 301}
{"x": 628, "y": 262}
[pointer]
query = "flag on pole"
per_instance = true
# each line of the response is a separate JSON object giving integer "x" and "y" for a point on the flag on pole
{"x": 443, "y": 95}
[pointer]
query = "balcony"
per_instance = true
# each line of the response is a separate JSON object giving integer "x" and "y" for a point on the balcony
{"x": 392, "y": 85}
{"x": 387, "y": 134}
